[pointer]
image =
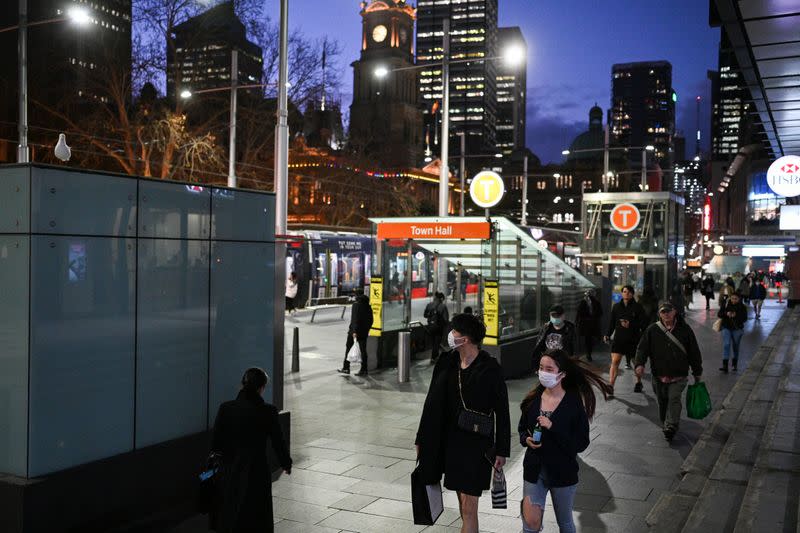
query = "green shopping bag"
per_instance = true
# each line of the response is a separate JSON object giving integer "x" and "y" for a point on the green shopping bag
{"x": 698, "y": 401}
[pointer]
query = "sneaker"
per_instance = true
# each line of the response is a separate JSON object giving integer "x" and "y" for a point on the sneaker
{"x": 637, "y": 387}
{"x": 343, "y": 370}
{"x": 669, "y": 434}
{"x": 628, "y": 366}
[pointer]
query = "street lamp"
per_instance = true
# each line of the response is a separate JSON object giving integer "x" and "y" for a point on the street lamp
{"x": 648, "y": 148}
{"x": 606, "y": 149}
{"x": 75, "y": 14}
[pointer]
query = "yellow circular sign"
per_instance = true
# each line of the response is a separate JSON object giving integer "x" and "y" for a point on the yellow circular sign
{"x": 487, "y": 189}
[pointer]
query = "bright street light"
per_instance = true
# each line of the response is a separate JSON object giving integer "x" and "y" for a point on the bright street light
{"x": 499, "y": 156}
{"x": 556, "y": 175}
{"x": 79, "y": 15}
{"x": 186, "y": 93}
{"x": 381, "y": 72}
{"x": 514, "y": 55}
{"x": 564, "y": 152}
{"x": 650, "y": 148}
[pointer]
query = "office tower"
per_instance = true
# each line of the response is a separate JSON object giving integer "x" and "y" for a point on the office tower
{"x": 511, "y": 94}
{"x": 68, "y": 65}
{"x": 730, "y": 98}
{"x": 473, "y": 94}
{"x": 385, "y": 118}
{"x": 643, "y": 108}
{"x": 199, "y": 56}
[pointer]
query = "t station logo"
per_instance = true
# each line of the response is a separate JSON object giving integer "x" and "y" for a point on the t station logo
{"x": 783, "y": 176}
{"x": 625, "y": 218}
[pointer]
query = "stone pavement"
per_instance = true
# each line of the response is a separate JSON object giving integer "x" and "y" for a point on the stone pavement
{"x": 352, "y": 443}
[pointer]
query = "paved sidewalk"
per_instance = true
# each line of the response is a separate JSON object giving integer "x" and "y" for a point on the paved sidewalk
{"x": 353, "y": 439}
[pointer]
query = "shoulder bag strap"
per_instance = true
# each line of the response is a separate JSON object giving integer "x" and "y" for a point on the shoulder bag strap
{"x": 671, "y": 337}
{"x": 462, "y": 396}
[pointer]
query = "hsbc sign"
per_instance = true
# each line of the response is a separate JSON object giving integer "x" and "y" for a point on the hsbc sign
{"x": 783, "y": 176}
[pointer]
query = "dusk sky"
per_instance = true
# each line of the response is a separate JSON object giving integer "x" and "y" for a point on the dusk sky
{"x": 572, "y": 45}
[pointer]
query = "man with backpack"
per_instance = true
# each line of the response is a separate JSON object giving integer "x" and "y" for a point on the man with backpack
{"x": 438, "y": 317}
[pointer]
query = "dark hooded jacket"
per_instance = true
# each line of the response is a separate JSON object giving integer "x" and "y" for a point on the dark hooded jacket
{"x": 361, "y": 317}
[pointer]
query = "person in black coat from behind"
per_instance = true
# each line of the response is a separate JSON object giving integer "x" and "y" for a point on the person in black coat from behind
{"x": 464, "y": 457}
{"x": 358, "y": 331}
{"x": 242, "y": 429}
{"x": 625, "y": 328}
{"x": 587, "y": 320}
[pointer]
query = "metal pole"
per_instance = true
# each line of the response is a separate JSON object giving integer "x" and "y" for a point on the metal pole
{"x": 462, "y": 170}
{"x": 282, "y": 127}
{"x": 444, "y": 172}
{"x": 644, "y": 169}
{"x": 524, "y": 219}
{"x": 296, "y": 350}
{"x": 23, "y": 154}
{"x": 232, "y": 133}
{"x": 403, "y": 356}
{"x": 605, "y": 157}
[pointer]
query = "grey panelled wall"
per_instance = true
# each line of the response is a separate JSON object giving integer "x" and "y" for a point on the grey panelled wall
{"x": 134, "y": 304}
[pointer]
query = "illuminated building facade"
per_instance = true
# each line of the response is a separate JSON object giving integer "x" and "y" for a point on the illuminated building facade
{"x": 473, "y": 90}
{"x": 511, "y": 94}
{"x": 730, "y": 102}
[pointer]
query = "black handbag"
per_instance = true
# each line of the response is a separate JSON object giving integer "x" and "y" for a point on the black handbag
{"x": 474, "y": 421}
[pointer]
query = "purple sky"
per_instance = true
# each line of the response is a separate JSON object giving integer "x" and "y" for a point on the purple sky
{"x": 572, "y": 45}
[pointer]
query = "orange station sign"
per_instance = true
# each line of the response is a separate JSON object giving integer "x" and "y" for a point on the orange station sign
{"x": 434, "y": 231}
{"x": 625, "y": 218}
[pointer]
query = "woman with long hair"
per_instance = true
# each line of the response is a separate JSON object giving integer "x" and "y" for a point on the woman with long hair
{"x": 554, "y": 428}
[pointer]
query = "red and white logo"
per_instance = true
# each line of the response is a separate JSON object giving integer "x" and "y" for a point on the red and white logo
{"x": 790, "y": 168}
{"x": 625, "y": 218}
{"x": 783, "y": 176}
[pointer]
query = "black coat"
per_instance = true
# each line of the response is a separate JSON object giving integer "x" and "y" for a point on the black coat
{"x": 666, "y": 359}
{"x": 360, "y": 317}
{"x": 567, "y": 340}
{"x": 634, "y": 313}
{"x": 561, "y": 444}
{"x": 588, "y": 320}
{"x": 737, "y": 322}
{"x": 485, "y": 391}
{"x": 242, "y": 430}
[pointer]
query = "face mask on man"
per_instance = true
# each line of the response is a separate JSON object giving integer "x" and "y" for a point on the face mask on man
{"x": 556, "y": 320}
{"x": 549, "y": 379}
{"x": 455, "y": 343}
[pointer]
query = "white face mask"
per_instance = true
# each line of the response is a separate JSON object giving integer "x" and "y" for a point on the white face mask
{"x": 549, "y": 379}
{"x": 453, "y": 342}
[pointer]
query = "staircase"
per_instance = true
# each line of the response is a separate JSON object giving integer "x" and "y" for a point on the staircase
{"x": 743, "y": 474}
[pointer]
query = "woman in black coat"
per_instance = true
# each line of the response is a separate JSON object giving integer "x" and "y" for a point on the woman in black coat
{"x": 625, "y": 328}
{"x": 587, "y": 320}
{"x": 241, "y": 431}
{"x": 464, "y": 457}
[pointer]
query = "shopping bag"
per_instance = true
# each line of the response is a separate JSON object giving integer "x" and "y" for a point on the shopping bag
{"x": 354, "y": 354}
{"x": 426, "y": 500}
{"x": 499, "y": 496}
{"x": 717, "y": 325}
{"x": 698, "y": 401}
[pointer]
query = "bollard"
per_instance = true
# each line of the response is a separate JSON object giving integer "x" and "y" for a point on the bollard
{"x": 403, "y": 356}
{"x": 296, "y": 350}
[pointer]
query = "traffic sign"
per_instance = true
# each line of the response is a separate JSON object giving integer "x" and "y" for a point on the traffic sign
{"x": 783, "y": 176}
{"x": 625, "y": 218}
{"x": 487, "y": 189}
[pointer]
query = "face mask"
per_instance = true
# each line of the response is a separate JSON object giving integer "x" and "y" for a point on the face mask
{"x": 556, "y": 321}
{"x": 549, "y": 379}
{"x": 453, "y": 342}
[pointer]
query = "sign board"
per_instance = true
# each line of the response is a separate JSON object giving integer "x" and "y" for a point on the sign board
{"x": 783, "y": 176}
{"x": 790, "y": 217}
{"x": 376, "y": 303}
{"x": 763, "y": 251}
{"x": 434, "y": 230}
{"x": 491, "y": 311}
{"x": 625, "y": 218}
{"x": 487, "y": 189}
{"x": 739, "y": 240}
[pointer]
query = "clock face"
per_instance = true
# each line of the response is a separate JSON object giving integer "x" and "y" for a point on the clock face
{"x": 403, "y": 36}
{"x": 379, "y": 33}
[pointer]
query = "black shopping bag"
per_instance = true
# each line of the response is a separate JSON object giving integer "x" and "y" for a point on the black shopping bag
{"x": 426, "y": 500}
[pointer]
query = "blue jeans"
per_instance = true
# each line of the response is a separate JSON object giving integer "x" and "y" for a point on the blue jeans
{"x": 563, "y": 501}
{"x": 734, "y": 337}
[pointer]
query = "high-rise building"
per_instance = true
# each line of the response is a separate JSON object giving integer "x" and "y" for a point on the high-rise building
{"x": 643, "y": 107}
{"x": 511, "y": 93}
{"x": 67, "y": 64}
{"x": 730, "y": 98}
{"x": 200, "y": 52}
{"x": 473, "y": 91}
{"x": 385, "y": 117}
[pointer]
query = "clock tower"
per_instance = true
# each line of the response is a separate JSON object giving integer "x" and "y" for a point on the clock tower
{"x": 385, "y": 117}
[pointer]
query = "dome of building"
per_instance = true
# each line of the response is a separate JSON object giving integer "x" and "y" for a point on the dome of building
{"x": 593, "y": 139}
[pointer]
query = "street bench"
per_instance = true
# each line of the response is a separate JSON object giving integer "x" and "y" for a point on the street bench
{"x": 326, "y": 307}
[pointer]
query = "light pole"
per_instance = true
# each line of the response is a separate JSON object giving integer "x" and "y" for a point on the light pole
{"x": 75, "y": 14}
{"x": 462, "y": 170}
{"x": 524, "y": 217}
{"x": 282, "y": 127}
{"x": 444, "y": 170}
{"x": 606, "y": 173}
{"x": 648, "y": 148}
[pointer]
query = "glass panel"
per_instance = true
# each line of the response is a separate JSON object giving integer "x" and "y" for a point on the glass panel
{"x": 59, "y": 201}
{"x": 14, "y": 255}
{"x": 242, "y": 216}
{"x": 82, "y": 350}
{"x": 174, "y": 210}
{"x": 242, "y": 299}
{"x": 395, "y": 255}
{"x": 14, "y": 200}
{"x": 172, "y": 340}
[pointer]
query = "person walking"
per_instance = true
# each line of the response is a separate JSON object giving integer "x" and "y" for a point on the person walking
{"x": 744, "y": 286}
{"x": 554, "y": 429}
{"x": 649, "y": 302}
{"x": 556, "y": 334}
{"x": 708, "y": 289}
{"x": 587, "y": 320}
{"x": 438, "y": 316}
{"x": 758, "y": 293}
{"x": 733, "y": 317}
{"x": 687, "y": 289}
{"x": 467, "y": 392}
{"x": 291, "y": 292}
{"x": 728, "y": 288}
{"x": 358, "y": 331}
{"x": 624, "y": 330}
{"x": 243, "y": 429}
{"x": 671, "y": 347}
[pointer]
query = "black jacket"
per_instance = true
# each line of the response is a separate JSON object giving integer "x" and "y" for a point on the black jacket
{"x": 561, "y": 444}
{"x": 737, "y": 322}
{"x": 242, "y": 430}
{"x": 550, "y": 338}
{"x": 634, "y": 313}
{"x": 588, "y": 320}
{"x": 438, "y": 316}
{"x": 666, "y": 359}
{"x": 758, "y": 292}
{"x": 361, "y": 317}
{"x": 486, "y": 392}
{"x": 707, "y": 286}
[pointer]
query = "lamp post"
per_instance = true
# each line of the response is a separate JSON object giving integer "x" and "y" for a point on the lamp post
{"x": 648, "y": 148}
{"x": 606, "y": 149}
{"x": 75, "y": 14}
{"x": 282, "y": 127}
{"x": 462, "y": 170}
